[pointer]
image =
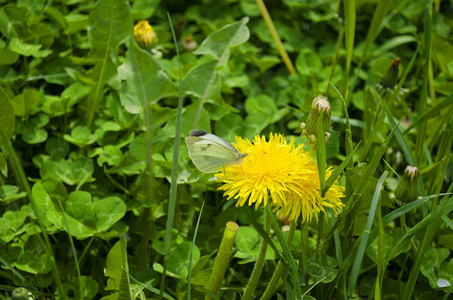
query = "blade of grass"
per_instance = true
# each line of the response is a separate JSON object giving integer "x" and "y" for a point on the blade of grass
{"x": 350, "y": 21}
{"x": 420, "y": 138}
{"x": 370, "y": 139}
{"x": 442, "y": 210}
{"x": 361, "y": 186}
{"x": 174, "y": 169}
{"x": 151, "y": 289}
{"x": 380, "y": 256}
{"x": 337, "y": 172}
{"x": 321, "y": 164}
{"x": 286, "y": 252}
{"x": 432, "y": 112}
{"x": 321, "y": 157}
{"x": 447, "y": 140}
{"x": 378, "y": 17}
{"x": 263, "y": 233}
{"x": 364, "y": 237}
{"x": 278, "y": 42}
{"x": 189, "y": 276}
{"x": 399, "y": 136}
{"x": 348, "y": 144}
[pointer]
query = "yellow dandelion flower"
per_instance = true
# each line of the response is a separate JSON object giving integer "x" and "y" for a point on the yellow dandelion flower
{"x": 280, "y": 174}
{"x": 145, "y": 35}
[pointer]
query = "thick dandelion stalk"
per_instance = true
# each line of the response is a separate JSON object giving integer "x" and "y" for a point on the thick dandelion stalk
{"x": 222, "y": 259}
{"x": 254, "y": 278}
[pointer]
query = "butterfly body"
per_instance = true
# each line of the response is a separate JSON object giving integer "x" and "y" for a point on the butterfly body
{"x": 211, "y": 153}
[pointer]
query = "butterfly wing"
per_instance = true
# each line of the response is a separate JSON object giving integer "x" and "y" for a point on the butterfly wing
{"x": 210, "y": 156}
{"x": 213, "y": 139}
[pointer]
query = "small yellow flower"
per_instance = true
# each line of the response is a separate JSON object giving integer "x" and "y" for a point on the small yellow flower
{"x": 145, "y": 35}
{"x": 280, "y": 174}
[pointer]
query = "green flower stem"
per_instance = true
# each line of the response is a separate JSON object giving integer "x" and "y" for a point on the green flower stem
{"x": 251, "y": 285}
{"x": 270, "y": 290}
{"x": 404, "y": 227}
{"x": 223, "y": 258}
{"x": 276, "y": 37}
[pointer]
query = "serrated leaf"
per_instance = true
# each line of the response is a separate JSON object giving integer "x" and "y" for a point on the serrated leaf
{"x": 145, "y": 82}
{"x": 110, "y": 25}
{"x": 218, "y": 44}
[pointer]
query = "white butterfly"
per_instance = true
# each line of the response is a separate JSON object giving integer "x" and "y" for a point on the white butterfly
{"x": 211, "y": 153}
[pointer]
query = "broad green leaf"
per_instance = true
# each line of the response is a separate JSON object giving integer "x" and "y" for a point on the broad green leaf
{"x": 117, "y": 270}
{"x": 263, "y": 62}
{"x": 80, "y": 136}
{"x": 78, "y": 206}
{"x": 24, "y": 103}
{"x": 72, "y": 172}
{"x": 12, "y": 221}
{"x": 265, "y": 104}
{"x": 323, "y": 268}
{"x": 76, "y": 22}
{"x": 32, "y": 130}
{"x": 108, "y": 211}
{"x": 12, "y": 20}
{"x": 431, "y": 263}
{"x": 203, "y": 81}
{"x": 7, "y": 118}
{"x": 110, "y": 155}
{"x": 10, "y": 193}
{"x": 256, "y": 122}
{"x": 178, "y": 261}
{"x": 218, "y": 44}
{"x": 442, "y": 53}
{"x": 49, "y": 194}
{"x": 246, "y": 239}
{"x": 7, "y": 57}
{"x": 145, "y": 82}
{"x": 57, "y": 147}
{"x": 110, "y": 25}
{"x": 87, "y": 285}
{"x": 230, "y": 127}
{"x": 34, "y": 263}
{"x": 26, "y": 49}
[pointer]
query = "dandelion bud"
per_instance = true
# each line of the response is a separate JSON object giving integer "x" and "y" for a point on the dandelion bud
{"x": 189, "y": 44}
{"x": 20, "y": 294}
{"x": 407, "y": 189}
{"x": 145, "y": 35}
{"x": 320, "y": 110}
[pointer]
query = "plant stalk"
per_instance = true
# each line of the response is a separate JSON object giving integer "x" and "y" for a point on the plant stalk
{"x": 254, "y": 278}
{"x": 270, "y": 289}
{"x": 270, "y": 25}
{"x": 222, "y": 259}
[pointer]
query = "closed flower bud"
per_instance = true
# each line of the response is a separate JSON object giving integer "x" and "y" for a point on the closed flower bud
{"x": 407, "y": 189}
{"x": 145, "y": 35}
{"x": 320, "y": 110}
{"x": 20, "y": 294}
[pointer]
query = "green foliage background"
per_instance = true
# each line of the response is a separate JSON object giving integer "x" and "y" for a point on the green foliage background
{"x": 88, "y": 123}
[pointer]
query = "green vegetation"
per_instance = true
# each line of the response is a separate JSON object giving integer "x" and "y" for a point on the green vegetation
{"x": 98, "y": 195}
